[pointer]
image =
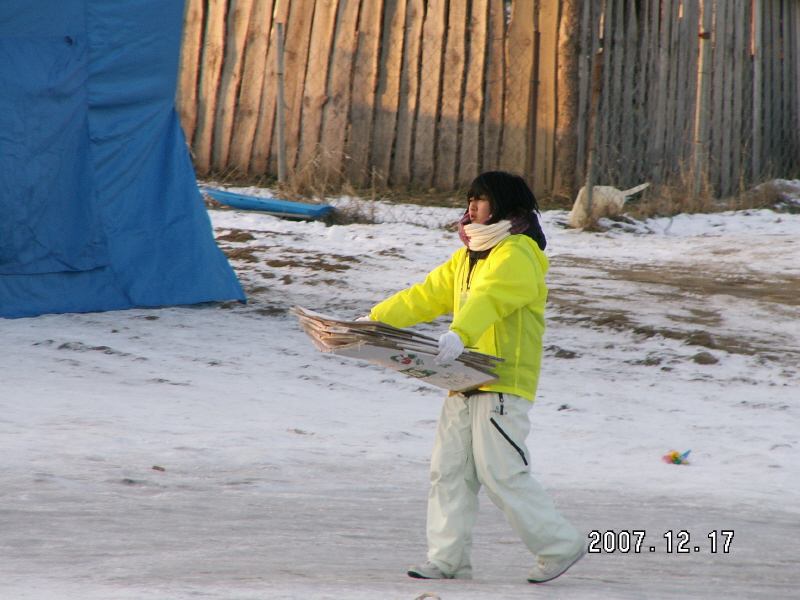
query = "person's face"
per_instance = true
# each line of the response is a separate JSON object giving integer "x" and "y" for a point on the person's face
{"x": 479, "y": 210}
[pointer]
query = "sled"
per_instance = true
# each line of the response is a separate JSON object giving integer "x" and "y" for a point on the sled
{"x": 271, "y": 206}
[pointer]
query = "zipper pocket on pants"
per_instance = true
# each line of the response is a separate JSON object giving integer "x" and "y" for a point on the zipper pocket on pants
{"x": 509, "y": 440}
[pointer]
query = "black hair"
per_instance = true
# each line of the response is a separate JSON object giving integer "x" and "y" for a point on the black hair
{"x": 508, "y": 195}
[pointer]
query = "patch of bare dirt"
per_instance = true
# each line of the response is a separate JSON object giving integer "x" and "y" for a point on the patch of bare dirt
{"x": 317, "y": 264}
{"x": 678, "y": 293}
{"x": 237, "y": 236}
{"x": 243, "y": 254}
{"x": 285, "y": 258}
{"x": 784, "y": 289}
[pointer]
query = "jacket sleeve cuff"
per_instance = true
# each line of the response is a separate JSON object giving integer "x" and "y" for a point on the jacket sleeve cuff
{"x": 463, "y": 336}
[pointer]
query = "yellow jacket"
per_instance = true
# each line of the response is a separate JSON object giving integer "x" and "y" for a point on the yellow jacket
{"x": 499, "y": 310}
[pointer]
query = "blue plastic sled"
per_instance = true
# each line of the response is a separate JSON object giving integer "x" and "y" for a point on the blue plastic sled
{"x": 278, "y": 208}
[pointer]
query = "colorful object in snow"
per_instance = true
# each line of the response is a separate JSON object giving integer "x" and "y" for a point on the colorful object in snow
{"x": 676, "y": 458}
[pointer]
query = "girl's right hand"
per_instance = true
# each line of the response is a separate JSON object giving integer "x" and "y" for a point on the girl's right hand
{"x": 450, "y": 348}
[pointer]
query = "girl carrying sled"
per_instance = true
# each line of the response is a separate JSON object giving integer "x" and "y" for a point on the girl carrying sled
{"x": 495, "y": 288}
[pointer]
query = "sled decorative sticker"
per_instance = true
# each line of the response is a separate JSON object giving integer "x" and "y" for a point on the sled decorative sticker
{"x": 418, "y": 373}
{"x": 408, "y": 359}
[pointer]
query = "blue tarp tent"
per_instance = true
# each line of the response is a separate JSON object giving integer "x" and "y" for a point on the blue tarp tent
{"x": 99, "y": 206}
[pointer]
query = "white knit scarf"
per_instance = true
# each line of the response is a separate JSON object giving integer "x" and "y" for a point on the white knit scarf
{"x": 483, "y": 237}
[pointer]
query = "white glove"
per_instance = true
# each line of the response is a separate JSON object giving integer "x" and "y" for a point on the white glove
{"x": 450, "y": 348}
{"x": 364, "y": 318}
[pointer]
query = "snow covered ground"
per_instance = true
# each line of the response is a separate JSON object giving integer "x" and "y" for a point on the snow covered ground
{"x": 287, "y": 473}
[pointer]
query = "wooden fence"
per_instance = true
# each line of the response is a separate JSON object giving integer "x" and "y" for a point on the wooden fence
{"x": 692, "y": 86}
{"x": 428, "y": 93}
{"x": 425, "y": 93}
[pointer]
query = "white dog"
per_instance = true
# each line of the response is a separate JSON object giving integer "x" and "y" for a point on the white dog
{"x": 606, "y": 201}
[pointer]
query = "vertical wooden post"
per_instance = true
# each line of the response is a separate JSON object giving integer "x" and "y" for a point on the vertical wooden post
{"x": 469, "y": 156}
{"x": 492, "y": 130}
{"x": 570, "y": 34}
{"x": 796, "y": 55}
{"x": 590, "y": 168}
{"x": 727, "y": 180}
{"x": 191, "y": 46}
{"x": 519, "y": 66}
{"x": 716, "y": 131}
{"x": 614, "y": 116}
{"x": 281, "y": 106}
{"x": 236, "y": 35}
{"x": 365, "y": 77}
{"x": 788, "y": 159}
{"x": 211, "y": 67}
{"x": 314, "y": 90}
{"x": 449, "y": 107}
{"x": 679, "y": 76}
{"x": 262, "y": 152}
{"x": 253, "y": 75}
{"x": 409, "y": 86}
{"x": 387, "y": 98}
{"x": 641, "y": 121}
{"x": 702, "y": 105}
{"x": 771, "y": 132}
{"x": 533, "y": 108}
{"x": 634, "y": 74}
{"x": 588, "y": 42}
{"x": 660, "y": 127}
{"x": 757, "y": 87}
{"x": 337, "y": 107}
{"x": 546, "y": 96}
{"x": 430, "y": 85}
{"x": 740, "y": 66}
{"x": 651, "y": 88}
{"x": 604, "y": 123}
{"x": 297, "y": 36}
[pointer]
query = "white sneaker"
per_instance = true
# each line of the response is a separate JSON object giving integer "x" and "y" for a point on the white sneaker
{"x": 545, "y": 571}
{"x": 427, "y": 571}
{"x": 431, "y": 571}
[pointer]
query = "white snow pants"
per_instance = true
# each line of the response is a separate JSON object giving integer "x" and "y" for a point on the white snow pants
{"x": 480, "y": 440}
